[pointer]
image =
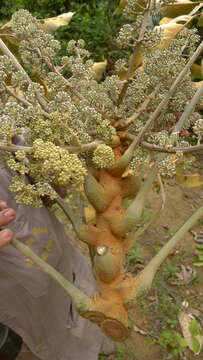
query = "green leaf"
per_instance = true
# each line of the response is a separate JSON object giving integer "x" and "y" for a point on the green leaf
{"x": 196, "y": 345}
{"x": 195, "y": 328}
{"x": 180, "y": 340}
{"x": 198, "y": 263}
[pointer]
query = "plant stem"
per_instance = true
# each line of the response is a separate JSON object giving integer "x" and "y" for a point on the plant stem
{"x": 19, "y": 67}
{"x": 188, "y": 110}
{"x": 81, "y": 300}
{"x": 74, "y": 218}
{"x": 139, "y": 111}
{"x": 95, "y": 193}
{"x": 84, "y": 147}
{"x": 136, "y": 52}
{"x": 134, "y": 211}
{"x": 18, "y": 98}
{"x": 15, "y": 62}
{"x": 14, "y": 148}
{"x": 144, "y": 279}
{"x": 122, "y": 163}
{"x": 189, "y": 149}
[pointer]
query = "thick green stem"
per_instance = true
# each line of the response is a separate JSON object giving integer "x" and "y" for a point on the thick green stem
{"x": 81, "y": 300}
{"x": 125, "y": 159}
{"x": 144, "y": 280}
{"x": 95, "y": 193}
{"x": 134, "y": 212}
{"x": 106, "y": 265}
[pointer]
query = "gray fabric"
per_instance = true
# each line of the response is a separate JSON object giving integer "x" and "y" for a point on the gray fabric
{"x": 31, "y": 303}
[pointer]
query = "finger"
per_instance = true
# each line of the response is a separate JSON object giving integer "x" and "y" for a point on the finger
{"x": 6, "y": 216}
{"x": 3, "y": 205}
{"x": 5, "y": 237}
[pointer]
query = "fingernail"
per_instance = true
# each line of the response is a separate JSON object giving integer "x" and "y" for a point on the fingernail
{"x": 8, "y": 213}
{"x": 5, "y": 235}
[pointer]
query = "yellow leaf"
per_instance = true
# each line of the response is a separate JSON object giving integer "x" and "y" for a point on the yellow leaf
{"x": 196, "y": 84}
{"x": 171, "y": 29}
{"x": 99, "y": 68}
{"x": 120, "y": 7}
{"x": 137, "y": 63}
{"x": 89, "y": 214}
{"x": 189, "y": 180}
{"x": 196, "y": 71}
{"x": 7, "y": 36}
{"x": 200, "y": 21}
{"x": 179, "y": 8}
{"x": 50, "y": 25}
{"x": 165, "y": 20}
{"x": 128, "y": 172}
{"x": 202, "y": 67}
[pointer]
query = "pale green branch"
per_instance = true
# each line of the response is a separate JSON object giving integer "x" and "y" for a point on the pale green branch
{"x": 74, "y": 217}
{"x": 188, "y": 110}
{"x": 144, "y": 280}
{"x": 19, "y": 67}
{"x": 81, "y": 300}
{"x": 13, "y": 148}
{"x": 125, "y": 159}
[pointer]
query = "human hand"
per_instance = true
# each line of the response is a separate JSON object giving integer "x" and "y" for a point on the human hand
{"x": 6, "y": 216}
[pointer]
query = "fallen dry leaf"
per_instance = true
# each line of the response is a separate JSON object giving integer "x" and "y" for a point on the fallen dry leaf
{"x": 139, "y": 330}
{"x": 189, "y": 180}
{"x": 193, "y": 338}
{"x": 198, "y": 237}
{"x": 184, "y": 276}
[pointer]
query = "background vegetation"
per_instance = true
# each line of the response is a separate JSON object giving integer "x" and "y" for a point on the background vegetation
{"x": 92, "y": 21}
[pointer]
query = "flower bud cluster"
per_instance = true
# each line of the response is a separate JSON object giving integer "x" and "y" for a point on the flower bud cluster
{"x": 18, "y": 166}
{"x": 140, "y": 160}
{"x": 132, "y": 8}
{"x": 198, "y": 129}
{"x": 161, "y": 138}
{"x": 103, "y": 156}
{"x": 36, "y": 46}
{"x": 167, "y": 166}
{"x": 19, "y": 80}
{"x": 78, "y": 47}
{"x": 30, "y": 194}
{"x": 55, "y": 165}
{"x": 126, "y": 36}
{"x": 8, "y": 128}
{"x": 59, "y": 110}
